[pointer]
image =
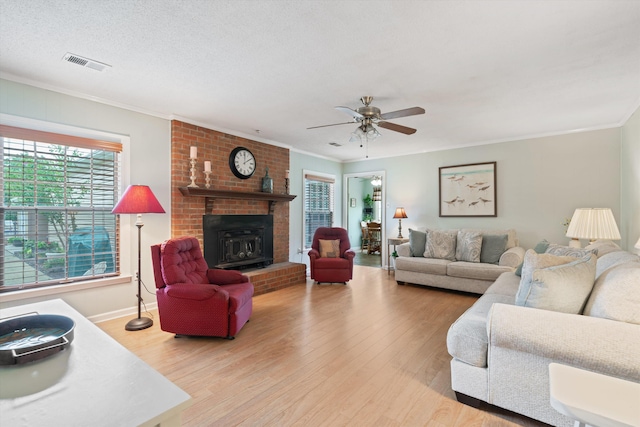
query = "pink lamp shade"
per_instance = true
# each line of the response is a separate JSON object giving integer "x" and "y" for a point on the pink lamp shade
{"x": 138, "y": 199}
{"x": 400, "y": 213}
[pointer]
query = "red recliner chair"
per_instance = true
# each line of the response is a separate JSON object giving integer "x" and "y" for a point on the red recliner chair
{"x": 331, "y": 255}
{"x": 196, "y": 300}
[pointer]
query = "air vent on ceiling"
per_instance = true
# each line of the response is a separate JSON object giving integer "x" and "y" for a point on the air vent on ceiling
{"x": 335, "y": 144}
{"x": 85, "y": 62}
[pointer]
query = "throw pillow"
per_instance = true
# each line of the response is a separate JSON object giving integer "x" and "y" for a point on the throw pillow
{"x": 560, "y": 250}
{"x": 468, "y": 246}
{"x": 613, "y": 259}
{"x": 493, "y": 246}
{"x": 534, "y": 261}
{"x": 441, "y": 245}
{"x": 603, "y": 247}
{"x": 540, "y": 248}
{"x": 417, "y": 242}
{"x": 616, "y": 295}
{"x": 564, "y": 288}
{"x": 329, "y": 248}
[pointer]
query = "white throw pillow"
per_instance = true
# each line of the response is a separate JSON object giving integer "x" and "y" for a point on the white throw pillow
{"x": 468, "y": 246}
{"x": 563, "y": 287}
{"x": 603, "y": 247}
{"x": 616, "y": 294}
{"x": 533, "y": 261}
{"x": 441, "y": 244}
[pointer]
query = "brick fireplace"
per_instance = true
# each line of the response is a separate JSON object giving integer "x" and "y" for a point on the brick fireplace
{"x": 187, "y": 212}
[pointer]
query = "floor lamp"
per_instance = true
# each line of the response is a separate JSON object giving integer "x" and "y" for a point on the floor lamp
{"x": 138, "y": 199}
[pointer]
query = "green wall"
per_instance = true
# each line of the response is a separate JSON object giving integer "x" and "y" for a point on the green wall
{"x": 540, "y": 182}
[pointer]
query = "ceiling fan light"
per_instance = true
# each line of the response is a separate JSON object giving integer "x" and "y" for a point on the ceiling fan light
{"x": 371, "y": 133}
{"x": 356, "y": 137}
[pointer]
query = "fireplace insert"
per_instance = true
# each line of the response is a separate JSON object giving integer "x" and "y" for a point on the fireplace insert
{"x": 238, "y": 241}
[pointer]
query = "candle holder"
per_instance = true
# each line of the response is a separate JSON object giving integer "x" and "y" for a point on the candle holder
{"x": 286, "y": 186}
{"x": 193, "y": 173}
{"x": 207, "y": 179}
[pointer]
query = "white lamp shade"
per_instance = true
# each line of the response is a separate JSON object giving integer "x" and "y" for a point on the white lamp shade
{"x": 637, "y": 246}
{"x": 593, "y": 224}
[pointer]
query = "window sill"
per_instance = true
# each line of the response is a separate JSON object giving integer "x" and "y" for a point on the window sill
{"x": 64, "y": 288}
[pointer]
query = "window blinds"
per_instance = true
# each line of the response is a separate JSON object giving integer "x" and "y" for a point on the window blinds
{"x": 58, "y": 192}
{"x": 318, "y": 205}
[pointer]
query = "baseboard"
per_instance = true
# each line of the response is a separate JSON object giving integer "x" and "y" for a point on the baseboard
{"x": 125, "y": 312}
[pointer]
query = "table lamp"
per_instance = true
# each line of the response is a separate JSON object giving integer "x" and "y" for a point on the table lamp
{"x": 593, "y": 224}
{"x": 400, "y": 213}
{"x": 138, "y": 199}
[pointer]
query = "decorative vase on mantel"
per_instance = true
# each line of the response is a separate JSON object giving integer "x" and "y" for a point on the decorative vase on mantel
{"x": 267, "y": 183}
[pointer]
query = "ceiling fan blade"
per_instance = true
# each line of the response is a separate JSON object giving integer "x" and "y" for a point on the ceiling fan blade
{"x": 397, "y": 128}
{"x": 402, "y": 113}
{"x": 351, "y": 112}
{"x": 334, "y": 124}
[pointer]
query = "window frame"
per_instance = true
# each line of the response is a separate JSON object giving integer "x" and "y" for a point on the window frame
{"x": 123, "y": 252}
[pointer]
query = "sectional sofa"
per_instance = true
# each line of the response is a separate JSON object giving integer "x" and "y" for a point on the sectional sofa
{"x": 583, "y": 313}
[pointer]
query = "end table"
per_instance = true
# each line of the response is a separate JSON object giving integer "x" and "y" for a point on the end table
{"x": 393, "y": 241}
{"x": 593, "y": 399}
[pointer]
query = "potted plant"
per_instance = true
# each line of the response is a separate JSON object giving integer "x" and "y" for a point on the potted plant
{"x": 367, "y": 212}
{"x": 16, "y": 241}
{"x": 394, "y": 255}
{"x": 368, "y": 201}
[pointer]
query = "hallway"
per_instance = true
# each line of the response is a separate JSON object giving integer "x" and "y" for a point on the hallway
{"x": 364, "y": 259}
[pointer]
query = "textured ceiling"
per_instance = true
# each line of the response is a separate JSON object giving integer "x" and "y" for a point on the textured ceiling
{"x": 484, "y": 71}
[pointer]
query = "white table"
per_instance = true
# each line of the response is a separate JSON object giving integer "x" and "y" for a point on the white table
{"x": 393, "y": 241}
{"x": 594, "y": 399}
{"x": 94, "y": 382}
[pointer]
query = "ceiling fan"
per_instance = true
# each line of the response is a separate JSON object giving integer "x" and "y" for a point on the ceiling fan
{"x": 368, "y": 115}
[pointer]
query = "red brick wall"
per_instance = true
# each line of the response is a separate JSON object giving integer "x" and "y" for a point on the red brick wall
{"x": 277, "y": 277}
{"x": 186, "y": 212}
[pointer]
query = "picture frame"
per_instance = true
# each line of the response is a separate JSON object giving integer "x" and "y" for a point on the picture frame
{"x": 468, "y": 190}
{"x": 352, "y": 202}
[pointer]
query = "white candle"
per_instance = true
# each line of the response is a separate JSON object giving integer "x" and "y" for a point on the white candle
{"x": 286, "y": 174}
{"x": 207, "y": 166}
{"x": 194, "y": 153}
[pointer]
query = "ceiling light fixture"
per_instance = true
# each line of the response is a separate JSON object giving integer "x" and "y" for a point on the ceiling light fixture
{"x": 364, "y": 133}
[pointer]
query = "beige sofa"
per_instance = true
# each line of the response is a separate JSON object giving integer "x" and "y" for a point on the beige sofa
{"x": 502, "y": 351}
{"x": 411, "y": 266}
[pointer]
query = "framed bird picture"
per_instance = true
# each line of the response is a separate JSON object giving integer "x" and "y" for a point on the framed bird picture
{"x": 468, "y": 190}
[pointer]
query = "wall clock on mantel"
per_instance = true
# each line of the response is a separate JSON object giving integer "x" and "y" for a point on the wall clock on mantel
{"x": 242, "y": 162}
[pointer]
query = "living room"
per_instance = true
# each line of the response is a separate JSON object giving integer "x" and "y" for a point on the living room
{"x": 542, "y": 176}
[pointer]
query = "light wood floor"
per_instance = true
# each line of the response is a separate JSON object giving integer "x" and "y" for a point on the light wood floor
{"x": 368, "y": 354}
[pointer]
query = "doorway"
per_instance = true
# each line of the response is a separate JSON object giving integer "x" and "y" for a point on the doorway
{"x": 364, "y": 207}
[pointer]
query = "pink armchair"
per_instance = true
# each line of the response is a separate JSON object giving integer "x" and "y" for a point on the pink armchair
{"x": 196, "y": 300}
{"x": 331, "y": 261}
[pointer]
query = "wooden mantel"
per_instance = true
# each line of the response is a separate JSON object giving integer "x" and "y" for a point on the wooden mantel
{"x": 210, "y": 195}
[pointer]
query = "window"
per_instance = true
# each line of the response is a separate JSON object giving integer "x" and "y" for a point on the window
{"x": 318, "y": 205}
{"x": 57, "y": 195}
